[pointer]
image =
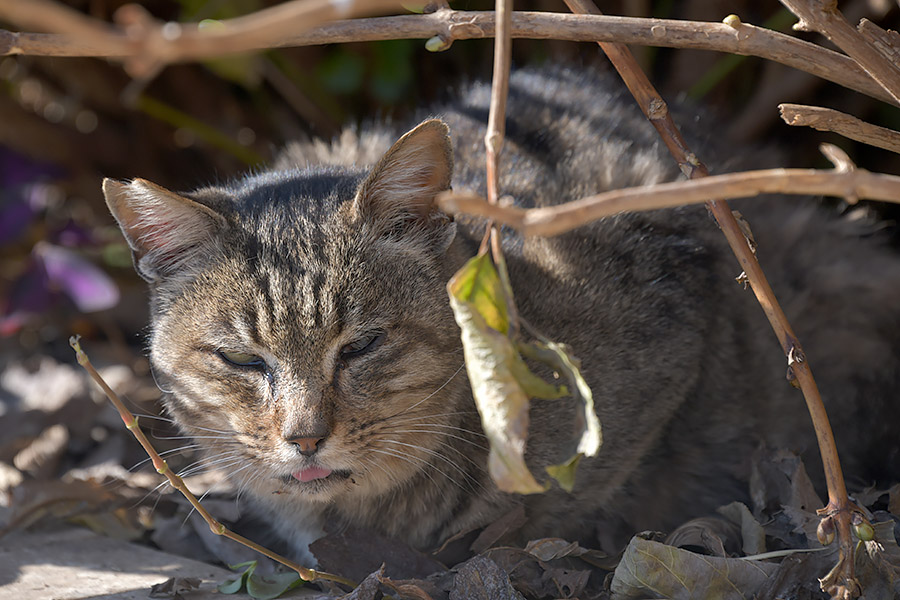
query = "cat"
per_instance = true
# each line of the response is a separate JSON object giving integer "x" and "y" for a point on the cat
{"x": 301, "y": 325}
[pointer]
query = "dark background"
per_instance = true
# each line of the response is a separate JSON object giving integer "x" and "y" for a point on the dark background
{"x": 66, "y": 123}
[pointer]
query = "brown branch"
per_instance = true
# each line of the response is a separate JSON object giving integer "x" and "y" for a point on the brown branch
{"x": 493, "y": 143}
{"x": 555, "y": 220}
{"x": 131, "y": 423}
{"x": 826, "y": 119}
{"x": 824, "y": 17}
{"x": 841, "y": 581}
{"x": 886, "y": 42}
{"x": 450, "y": 25}
{"x": 145, "y": 43}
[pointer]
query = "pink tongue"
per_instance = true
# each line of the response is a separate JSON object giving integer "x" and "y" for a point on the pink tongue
{"x": 311, "y": 473}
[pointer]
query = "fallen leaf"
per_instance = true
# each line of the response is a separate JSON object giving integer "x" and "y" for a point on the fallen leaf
{"x": 651, "y": 568}
{"x": 496, "y": 531}
{"x": 753, "y": 536}
{"x": 368, "y": 589}
{"x": 174, "y": 587}
{"x": 481, "y": 579}
{"x": 712, "y": 534}
{"x": 884, "y": 556}
{"x": 355, "y": 553}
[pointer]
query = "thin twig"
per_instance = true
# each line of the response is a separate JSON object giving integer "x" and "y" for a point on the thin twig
{"x": 841, "y": 581}
{"x": 450, "y": 25}
{"x": 145, "y": 43}
{"x": 555, "y": 220}
{"x": 493, "y": 143}
{"x": 826, "y": 119}
{"x": 824, "y": 17}
{"x": 131, "y": 423}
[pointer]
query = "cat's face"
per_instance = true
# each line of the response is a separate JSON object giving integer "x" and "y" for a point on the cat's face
{"x": 300, "y": 321}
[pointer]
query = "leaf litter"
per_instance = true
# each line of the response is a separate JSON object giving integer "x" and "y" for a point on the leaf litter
{"x": 83, "y": 477}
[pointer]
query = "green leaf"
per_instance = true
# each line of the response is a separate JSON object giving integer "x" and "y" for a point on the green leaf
{"x": 267, "y": 587}
{"x": 478, "y": 284}
{"x": 475, "y": 291}
{"x": 564, "y": 473}
{"x": 233, "y": 586}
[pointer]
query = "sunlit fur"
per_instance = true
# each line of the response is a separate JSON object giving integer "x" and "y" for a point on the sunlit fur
{"x": 298, "y": 262}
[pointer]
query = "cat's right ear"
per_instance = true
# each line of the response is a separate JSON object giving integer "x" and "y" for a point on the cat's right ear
{"x": 163, "y": 229}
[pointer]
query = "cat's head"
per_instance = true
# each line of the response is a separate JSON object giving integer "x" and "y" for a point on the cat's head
{"x": 300, "y": 319}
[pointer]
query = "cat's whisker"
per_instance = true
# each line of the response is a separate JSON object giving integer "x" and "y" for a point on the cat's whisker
{"x": 221, "y": 462}
{"x": 419, "y": 423}
{"x": 412, "y": 460}
{"x": 444, "y": 433}
{"x": 431, "y": 395}
{"x": 164, "y": 453}
{"x": 437, "y": 455}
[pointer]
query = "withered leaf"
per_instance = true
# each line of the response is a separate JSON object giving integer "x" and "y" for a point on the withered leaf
{"x": 481, "y": 579}
{"x": 493, "y": 364}
{"x": 651, "y": 568}
{"x": 753, "y": 536}
{"x": 355, "y": 553}
{"x": 174, "y": 587}
{"x": 502, "y": 382}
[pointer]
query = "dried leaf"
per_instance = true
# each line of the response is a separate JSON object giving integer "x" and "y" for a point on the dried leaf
{"x": 481, "y": 579}
{"x": 355, "y": 553}
{"x": 477, "y": 299}
{"x": 497, "y": 530}
{"x": 753, "y": 536}
{"x": 884, "y": 554}
{"x": 502, "y": 383}
{"x": 712, "y": 534}
{"x": 368, "y": 589}
{"x": 651, "y": 568}
{"x": 174, "y": 587}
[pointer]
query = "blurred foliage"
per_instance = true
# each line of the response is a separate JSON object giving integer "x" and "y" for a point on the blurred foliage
{"x": 66, "y": 123}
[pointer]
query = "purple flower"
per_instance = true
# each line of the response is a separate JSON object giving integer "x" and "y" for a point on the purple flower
{"x": 51, "y": 271}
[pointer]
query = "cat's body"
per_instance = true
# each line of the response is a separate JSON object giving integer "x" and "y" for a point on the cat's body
{"x": 301, "y": 322}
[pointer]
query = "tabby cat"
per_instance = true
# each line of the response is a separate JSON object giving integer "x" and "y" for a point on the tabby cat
{"x": 301, "y": 325}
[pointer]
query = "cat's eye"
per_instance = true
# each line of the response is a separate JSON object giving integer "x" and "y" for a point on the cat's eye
{"x": 365, "y": 344}
{"x": 242, "y": 359}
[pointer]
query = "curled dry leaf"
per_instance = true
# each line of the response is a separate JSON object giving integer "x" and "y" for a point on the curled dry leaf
{"x": 502, "y": 383}
{"x": 653, "y": 569}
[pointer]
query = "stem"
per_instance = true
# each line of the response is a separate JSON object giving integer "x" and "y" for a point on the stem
{"x": 554, "y": 220}
{"x": 131, "y": 423}
{"x": 493, "y": 142}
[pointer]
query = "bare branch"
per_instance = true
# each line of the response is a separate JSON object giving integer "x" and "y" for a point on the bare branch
{"x": 824, "y": 17}
{"x": 886, "y": 42}
{"x": 450, "y": 25}
{"x": 839, "y": 507}
{"x": 826, "y": 119}
{"x": 555, "y": 220}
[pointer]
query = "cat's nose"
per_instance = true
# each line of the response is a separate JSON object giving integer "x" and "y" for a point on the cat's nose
{"x": 306, "y": 446}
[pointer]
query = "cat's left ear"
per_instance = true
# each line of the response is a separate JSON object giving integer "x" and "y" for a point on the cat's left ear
{"x": 399, "y": 193}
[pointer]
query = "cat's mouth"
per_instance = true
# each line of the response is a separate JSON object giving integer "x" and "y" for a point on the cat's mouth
{"x": 315, "y": 476}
